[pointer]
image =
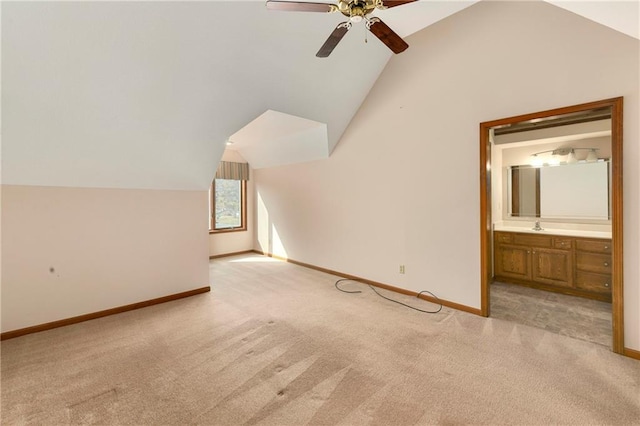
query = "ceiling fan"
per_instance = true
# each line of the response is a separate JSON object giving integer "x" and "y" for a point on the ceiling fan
{"x": 356, "y": 11}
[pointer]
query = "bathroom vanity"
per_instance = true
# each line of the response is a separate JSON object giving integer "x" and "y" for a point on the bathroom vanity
{"x": 577, "y": 265}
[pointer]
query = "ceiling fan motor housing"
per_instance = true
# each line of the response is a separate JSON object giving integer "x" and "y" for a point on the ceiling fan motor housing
{"x": 356, "y": 9}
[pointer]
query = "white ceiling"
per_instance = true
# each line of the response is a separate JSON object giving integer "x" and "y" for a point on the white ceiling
{"x": 622, "y": 15}
{"x": 145, "y": 94}
{"x": 275, "y": 139}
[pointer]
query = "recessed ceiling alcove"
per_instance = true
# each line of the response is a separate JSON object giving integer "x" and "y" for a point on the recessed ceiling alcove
{"x": 276, "y": 138}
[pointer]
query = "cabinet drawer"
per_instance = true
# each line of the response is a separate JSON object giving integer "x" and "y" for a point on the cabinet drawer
{"x": 532, "y": 240}
{"x": 592, "y": 262}
{"x": 503, "y": 238}
{"x": 562, "y": 243}
{"x": 600, "y": 283}
{"x": 597, "y": 246}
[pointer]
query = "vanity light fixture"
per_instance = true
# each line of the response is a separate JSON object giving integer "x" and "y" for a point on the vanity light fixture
{"x": 555, "y": 154}
{"x": 536, "y": 161}
{"x": 554, "y": 160}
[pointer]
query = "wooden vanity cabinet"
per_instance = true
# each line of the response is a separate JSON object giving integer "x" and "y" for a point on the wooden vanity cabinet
{"x": 570, "y": 265}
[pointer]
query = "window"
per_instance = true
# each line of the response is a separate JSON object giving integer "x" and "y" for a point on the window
{"x": 228, "y": 205}
{"x": 228, "y": 198}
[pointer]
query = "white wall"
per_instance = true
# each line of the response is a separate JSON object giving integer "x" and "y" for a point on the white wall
{"x": 73, "y": 251}
{"x": 233, "y": 242}
{"x": 402, "y": 186}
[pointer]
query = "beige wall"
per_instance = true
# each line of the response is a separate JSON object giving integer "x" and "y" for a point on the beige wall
{"x": 402, "y": 186}
{"x": 234, "y": 242}
{"x": 107, "y": 248}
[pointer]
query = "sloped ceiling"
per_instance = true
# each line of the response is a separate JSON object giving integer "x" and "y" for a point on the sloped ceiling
{"x": 145, "y": 94}
{"x": 622, "y": 16}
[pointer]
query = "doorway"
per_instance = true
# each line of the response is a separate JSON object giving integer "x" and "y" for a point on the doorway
{"x": 541, "y": 120}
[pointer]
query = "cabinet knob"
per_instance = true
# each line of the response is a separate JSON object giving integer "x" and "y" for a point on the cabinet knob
{"x": 606, "y": 284}
{"x": 606, "y": 247}
{"x": 606, "y": 263}
{"x": 528, "y": 252}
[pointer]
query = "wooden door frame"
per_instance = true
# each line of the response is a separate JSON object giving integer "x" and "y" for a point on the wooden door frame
{"x": 486, "y": 259}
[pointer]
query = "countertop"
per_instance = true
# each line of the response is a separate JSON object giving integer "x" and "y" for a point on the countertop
{"x": 554, "y": 231}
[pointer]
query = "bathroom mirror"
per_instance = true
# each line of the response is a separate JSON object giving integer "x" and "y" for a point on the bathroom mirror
{"x": 578, "y": 191}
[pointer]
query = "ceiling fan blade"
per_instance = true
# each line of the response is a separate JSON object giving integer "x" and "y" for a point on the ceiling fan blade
{"x": 296, "y": 6}
{"x": 391, "y": 3}
{"x": 387, "y": 36}
{"x": 333, "y": 40}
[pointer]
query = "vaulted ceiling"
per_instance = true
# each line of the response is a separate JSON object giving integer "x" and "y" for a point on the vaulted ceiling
{"x": 145, "y": 94}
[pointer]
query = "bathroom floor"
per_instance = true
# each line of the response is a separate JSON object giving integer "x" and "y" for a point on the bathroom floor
{"x": 572, "y": 316}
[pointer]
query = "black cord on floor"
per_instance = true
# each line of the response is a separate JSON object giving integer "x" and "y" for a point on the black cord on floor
{"x": 346, "y": 291}
{"x": 389, "y": 299}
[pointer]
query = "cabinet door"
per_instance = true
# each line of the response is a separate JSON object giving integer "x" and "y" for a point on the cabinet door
{"x": 513, "y": 261}
{"x": 598, "y": 283}
{"x": 552, "y": 266}
{"x": 593, "y": 262}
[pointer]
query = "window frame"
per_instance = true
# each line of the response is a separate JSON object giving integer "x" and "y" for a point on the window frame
{"x": 243, "y": 210}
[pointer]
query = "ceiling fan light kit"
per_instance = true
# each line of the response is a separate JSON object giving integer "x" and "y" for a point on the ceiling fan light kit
{"x": 356, "y": 11}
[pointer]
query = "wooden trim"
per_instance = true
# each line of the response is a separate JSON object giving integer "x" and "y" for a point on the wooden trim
{"x": 552, "y": 112}
{"x": 515, "y": 195}
{"x": 616, "y": 105}
{"x": 225, "y": 231}
{"x": 218, "y": 256}
{"x": 81, "y": 318}
{"x": 423, "y": 296}
{"x": 631, "y": 353}
{"x": 617, "y": 271}
{"x": 486, "y": 252}
{"x": 537, "y": 192}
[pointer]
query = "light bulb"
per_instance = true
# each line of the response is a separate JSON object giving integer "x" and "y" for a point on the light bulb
{"x": 592, "y": 156}
{"x": 536, "y": 161}
{"x": 571, "y": 157}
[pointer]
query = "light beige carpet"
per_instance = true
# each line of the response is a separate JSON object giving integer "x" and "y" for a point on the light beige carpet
{"x": 277, "y": 344}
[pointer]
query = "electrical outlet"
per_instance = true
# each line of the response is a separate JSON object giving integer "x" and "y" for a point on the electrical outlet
{"x": 402, "y": 269}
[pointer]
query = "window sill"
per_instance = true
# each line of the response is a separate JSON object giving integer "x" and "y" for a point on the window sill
{"x": 225, "y": 231}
